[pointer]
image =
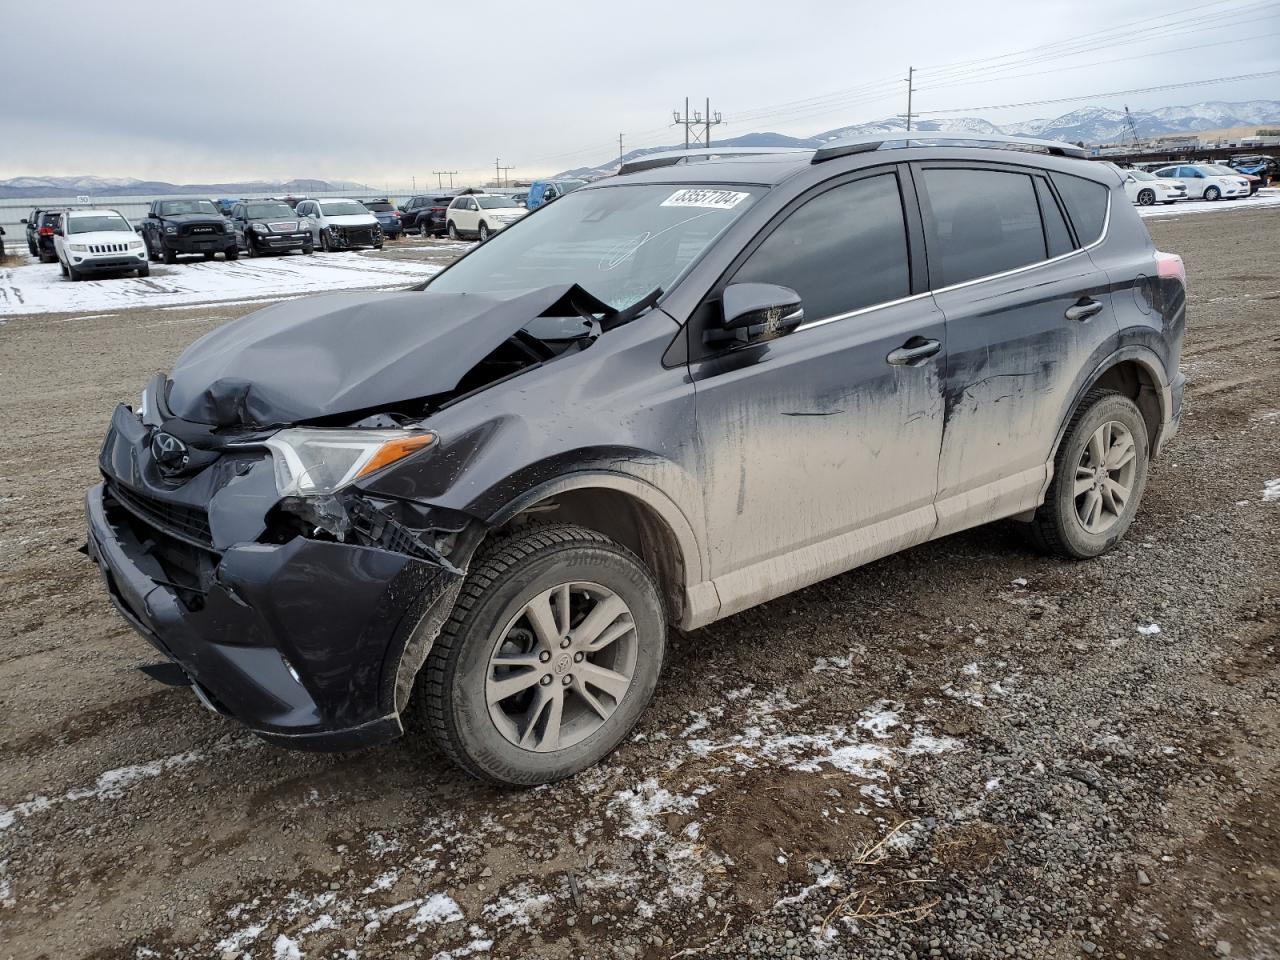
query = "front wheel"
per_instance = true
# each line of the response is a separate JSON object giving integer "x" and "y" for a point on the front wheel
{"x": 231, "y": 253}
{"x": 551, "y": 654}
{"x": 484, "y": 231}
{"x": 167, "y": 254}
{"x": 452, "y": 231}
{"x": 249, "y": 248}
{"x": 144, "y": 270}
{"x": 1212, "y": 193}
{"x": 325, "y": 244}
{"x": 1098, "y": 478}
{"x": 1146, "y": 197}
{"x": 308, "y": 249}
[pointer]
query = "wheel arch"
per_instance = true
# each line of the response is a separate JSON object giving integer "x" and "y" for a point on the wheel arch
{"x": 631, "y": 511}
{"x": 1137, "y": 373}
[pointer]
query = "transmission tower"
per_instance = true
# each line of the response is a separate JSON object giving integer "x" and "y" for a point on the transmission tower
{"x": 1133, "y": 127}
{"x": 693, "y": 136}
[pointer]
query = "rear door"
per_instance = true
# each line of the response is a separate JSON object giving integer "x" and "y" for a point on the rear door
{"x": 819, "y": 449}
{"x": 1025, "y": 308}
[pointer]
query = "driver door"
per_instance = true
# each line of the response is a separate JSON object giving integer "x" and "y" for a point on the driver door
{"x": 819, "y": 449}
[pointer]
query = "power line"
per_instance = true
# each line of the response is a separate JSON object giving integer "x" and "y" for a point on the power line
{"x": 691, "y": 124}
{"x": 438, "y": 174}
{"x": 1110, "y": 93}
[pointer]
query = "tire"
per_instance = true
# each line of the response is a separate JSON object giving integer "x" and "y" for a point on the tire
{"x": 152, "y": 256}
{"x": 1058, "y": 527}
{"x": 144, "y": 270}
{"x": 62, "y": 268}
{"x": 484, "y": 231}
{"x": 250, "y": 250}
{"x": 325, "y": 245}
{"x": 452, "y": 231}
{"x": 47, "y": 257}
{"x": 167, "y": 254}
{"x": 424, "y": 230}
{"x": 231, "y": 253}
{"x": 1146, "y": 197}
{"x": 208, "y": 256}
{"x": 1212, "y": 193}
{"x": 308, "y": 249}
{"x": 377, "y": 246}
{"x": 1168, "y": 202}
{"x": 451, "y": 698}
{"x": 74, "y": 275}
{"x": 32, "y": 248}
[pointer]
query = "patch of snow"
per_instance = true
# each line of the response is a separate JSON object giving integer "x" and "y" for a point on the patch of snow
{"x": 1150, "y": 630}
{"x": 1271, "y": 491}
{"x": 438, "y": 908}
{"x": 39, "y": 289}
{"x": 111, "y": 785}
{"x": 285, "y": 948}
{"x": 515, "y": 908}
{"x": 639, "y": 807}
{"x": 1020, "y": 582}
{"x": 384, "y": 881}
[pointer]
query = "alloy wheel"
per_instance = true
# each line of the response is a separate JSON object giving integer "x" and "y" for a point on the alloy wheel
{"x": 561, "y": 666}
{"x": 1104, "y": 477}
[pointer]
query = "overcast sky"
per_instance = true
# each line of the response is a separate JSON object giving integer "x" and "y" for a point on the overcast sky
{"x": 383, "y": 91}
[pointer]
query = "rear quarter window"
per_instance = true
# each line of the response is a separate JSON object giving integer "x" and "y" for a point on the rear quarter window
{"x": 1086, "y": 202}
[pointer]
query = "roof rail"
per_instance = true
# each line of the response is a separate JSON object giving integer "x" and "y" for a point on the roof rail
{"x": 670, "y": 158}
{"x": 847, "y": 146}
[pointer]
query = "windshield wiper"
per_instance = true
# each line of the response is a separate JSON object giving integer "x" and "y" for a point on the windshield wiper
{"x": 619, "y": 317}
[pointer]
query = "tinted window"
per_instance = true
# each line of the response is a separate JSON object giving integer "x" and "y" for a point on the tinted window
{"x": 984, "y": 222}
{"x": 1056, "y": 234}
{"x": 843, "y": 250}
{"x": 1086, "y": 203}
{"x": 379, "y": 206}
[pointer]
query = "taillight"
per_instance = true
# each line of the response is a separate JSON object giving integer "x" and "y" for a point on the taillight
{"x": 46, "y": 231}
{"x": 437, "y": 209}
{"x": 1169, "y": 266}
{"x": 396, "y": 214}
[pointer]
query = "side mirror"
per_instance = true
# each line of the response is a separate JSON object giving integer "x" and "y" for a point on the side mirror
{"x": 23, "y": 220}
{"x": 754, "y": 311}
{"x": 1131, "y": 179}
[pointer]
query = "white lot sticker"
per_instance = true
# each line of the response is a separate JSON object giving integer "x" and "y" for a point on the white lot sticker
{"x": 712, "y": 199}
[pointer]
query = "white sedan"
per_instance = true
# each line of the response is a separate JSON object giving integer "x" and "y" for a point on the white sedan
{"x": 1146, "y": 189}
{"x": 1203, "y": 182}
{"x": 98, "y": 241}
{"x": 480, "y": 215}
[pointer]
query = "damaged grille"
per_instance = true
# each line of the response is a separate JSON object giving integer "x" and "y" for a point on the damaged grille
{"x": 186, "y": 523}
{"x": 355, "y": 235}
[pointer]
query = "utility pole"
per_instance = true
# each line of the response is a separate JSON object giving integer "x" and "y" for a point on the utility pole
{"x": 443, "y": 173}
{"x": 415, "y": 184}
{"x": 1133, "y": 127}
{"x": 697, "y": 128}
{"x": 911, "y": 74}
{"x": 500, "y": 173}
{"x": 619, "y": 148}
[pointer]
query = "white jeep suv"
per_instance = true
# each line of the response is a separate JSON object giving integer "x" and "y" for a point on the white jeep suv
{"x": 480, "y": 215}
{"x": 98, "y": 241}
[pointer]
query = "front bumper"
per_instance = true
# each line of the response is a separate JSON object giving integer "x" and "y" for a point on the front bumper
{"x": 302, "y": 642}
{"x": 270, "y": 242}
{"x": 201, "y": 242}
{"x": 352, "y": 237}
{"x": 1173, "y": 403}
{"x": 113, "y": 263}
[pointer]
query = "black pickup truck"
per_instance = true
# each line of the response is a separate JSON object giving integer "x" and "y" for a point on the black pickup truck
{"x": 175, "y": 227}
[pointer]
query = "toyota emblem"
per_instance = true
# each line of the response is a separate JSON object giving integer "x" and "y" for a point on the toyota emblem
{"x": 168, "y": 451}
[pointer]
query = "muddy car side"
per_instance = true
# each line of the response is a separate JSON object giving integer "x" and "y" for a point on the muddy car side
{"x": 512, "y": 579}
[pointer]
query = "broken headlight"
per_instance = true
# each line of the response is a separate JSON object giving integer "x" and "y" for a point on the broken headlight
{"x": 315, "y": 462}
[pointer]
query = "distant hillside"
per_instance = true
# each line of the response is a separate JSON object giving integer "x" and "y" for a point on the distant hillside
{"x": 1090, "y": 125}
{"x": 49, "y": 187}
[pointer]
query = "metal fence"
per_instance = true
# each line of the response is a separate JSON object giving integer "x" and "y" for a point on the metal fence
{"x": 133, "y": 209}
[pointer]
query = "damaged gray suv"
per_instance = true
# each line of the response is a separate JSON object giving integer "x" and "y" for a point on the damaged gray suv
{"x": 473, "y": 509}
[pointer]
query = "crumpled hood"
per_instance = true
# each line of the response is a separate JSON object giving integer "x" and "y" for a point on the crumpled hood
{"x": 339, "y": 353}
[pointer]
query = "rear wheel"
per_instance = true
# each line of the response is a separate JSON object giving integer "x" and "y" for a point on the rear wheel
{"x": 484, "y": 231}
{"x": 1098, "y": 478}
{"x": 452, "y": 231}
{"x": 1146, "y": 197}
{"x": 1212, "y": 193}
{"x": 551, "y": 654}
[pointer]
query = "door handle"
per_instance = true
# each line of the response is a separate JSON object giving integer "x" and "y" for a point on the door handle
{"x": 1084, "y": 309}
{"x": 913, "y": 351}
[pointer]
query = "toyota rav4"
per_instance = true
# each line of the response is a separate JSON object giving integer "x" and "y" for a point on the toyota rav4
{"x": 664, "y": 398}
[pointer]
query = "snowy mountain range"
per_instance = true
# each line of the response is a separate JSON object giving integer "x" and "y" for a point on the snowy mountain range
{"x": 100, "y": 187}
{"x": 1090, "y": 125}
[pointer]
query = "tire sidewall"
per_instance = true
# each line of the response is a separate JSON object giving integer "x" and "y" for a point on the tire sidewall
{"x": 1077, "y": 539}
{"x": 467, "y": 707}
{"x": 1146, "y": 197}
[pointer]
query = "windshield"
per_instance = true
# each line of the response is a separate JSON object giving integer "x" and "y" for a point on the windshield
{"x": 342, "y": 208}
{"x": 267, "y": 210}
{"x": 492, "y": 203}
{"x": 93, "y": 224}
{"x": 1220, "y": 170}
{"x": 619, "y": 243}
{"x": 174, "y": 207}
{"x": 1141, "y": 175}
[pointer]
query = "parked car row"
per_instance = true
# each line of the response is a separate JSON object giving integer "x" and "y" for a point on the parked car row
{"x": 1186, "y": 181}
{"x": 474, "y": 213}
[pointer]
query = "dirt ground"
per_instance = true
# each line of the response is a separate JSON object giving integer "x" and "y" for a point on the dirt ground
{"x": 967, "y": 750}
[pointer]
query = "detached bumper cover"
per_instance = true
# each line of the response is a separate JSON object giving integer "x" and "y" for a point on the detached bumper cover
{"x": 200, "y": 243}
{"x": 339, "y": 616}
